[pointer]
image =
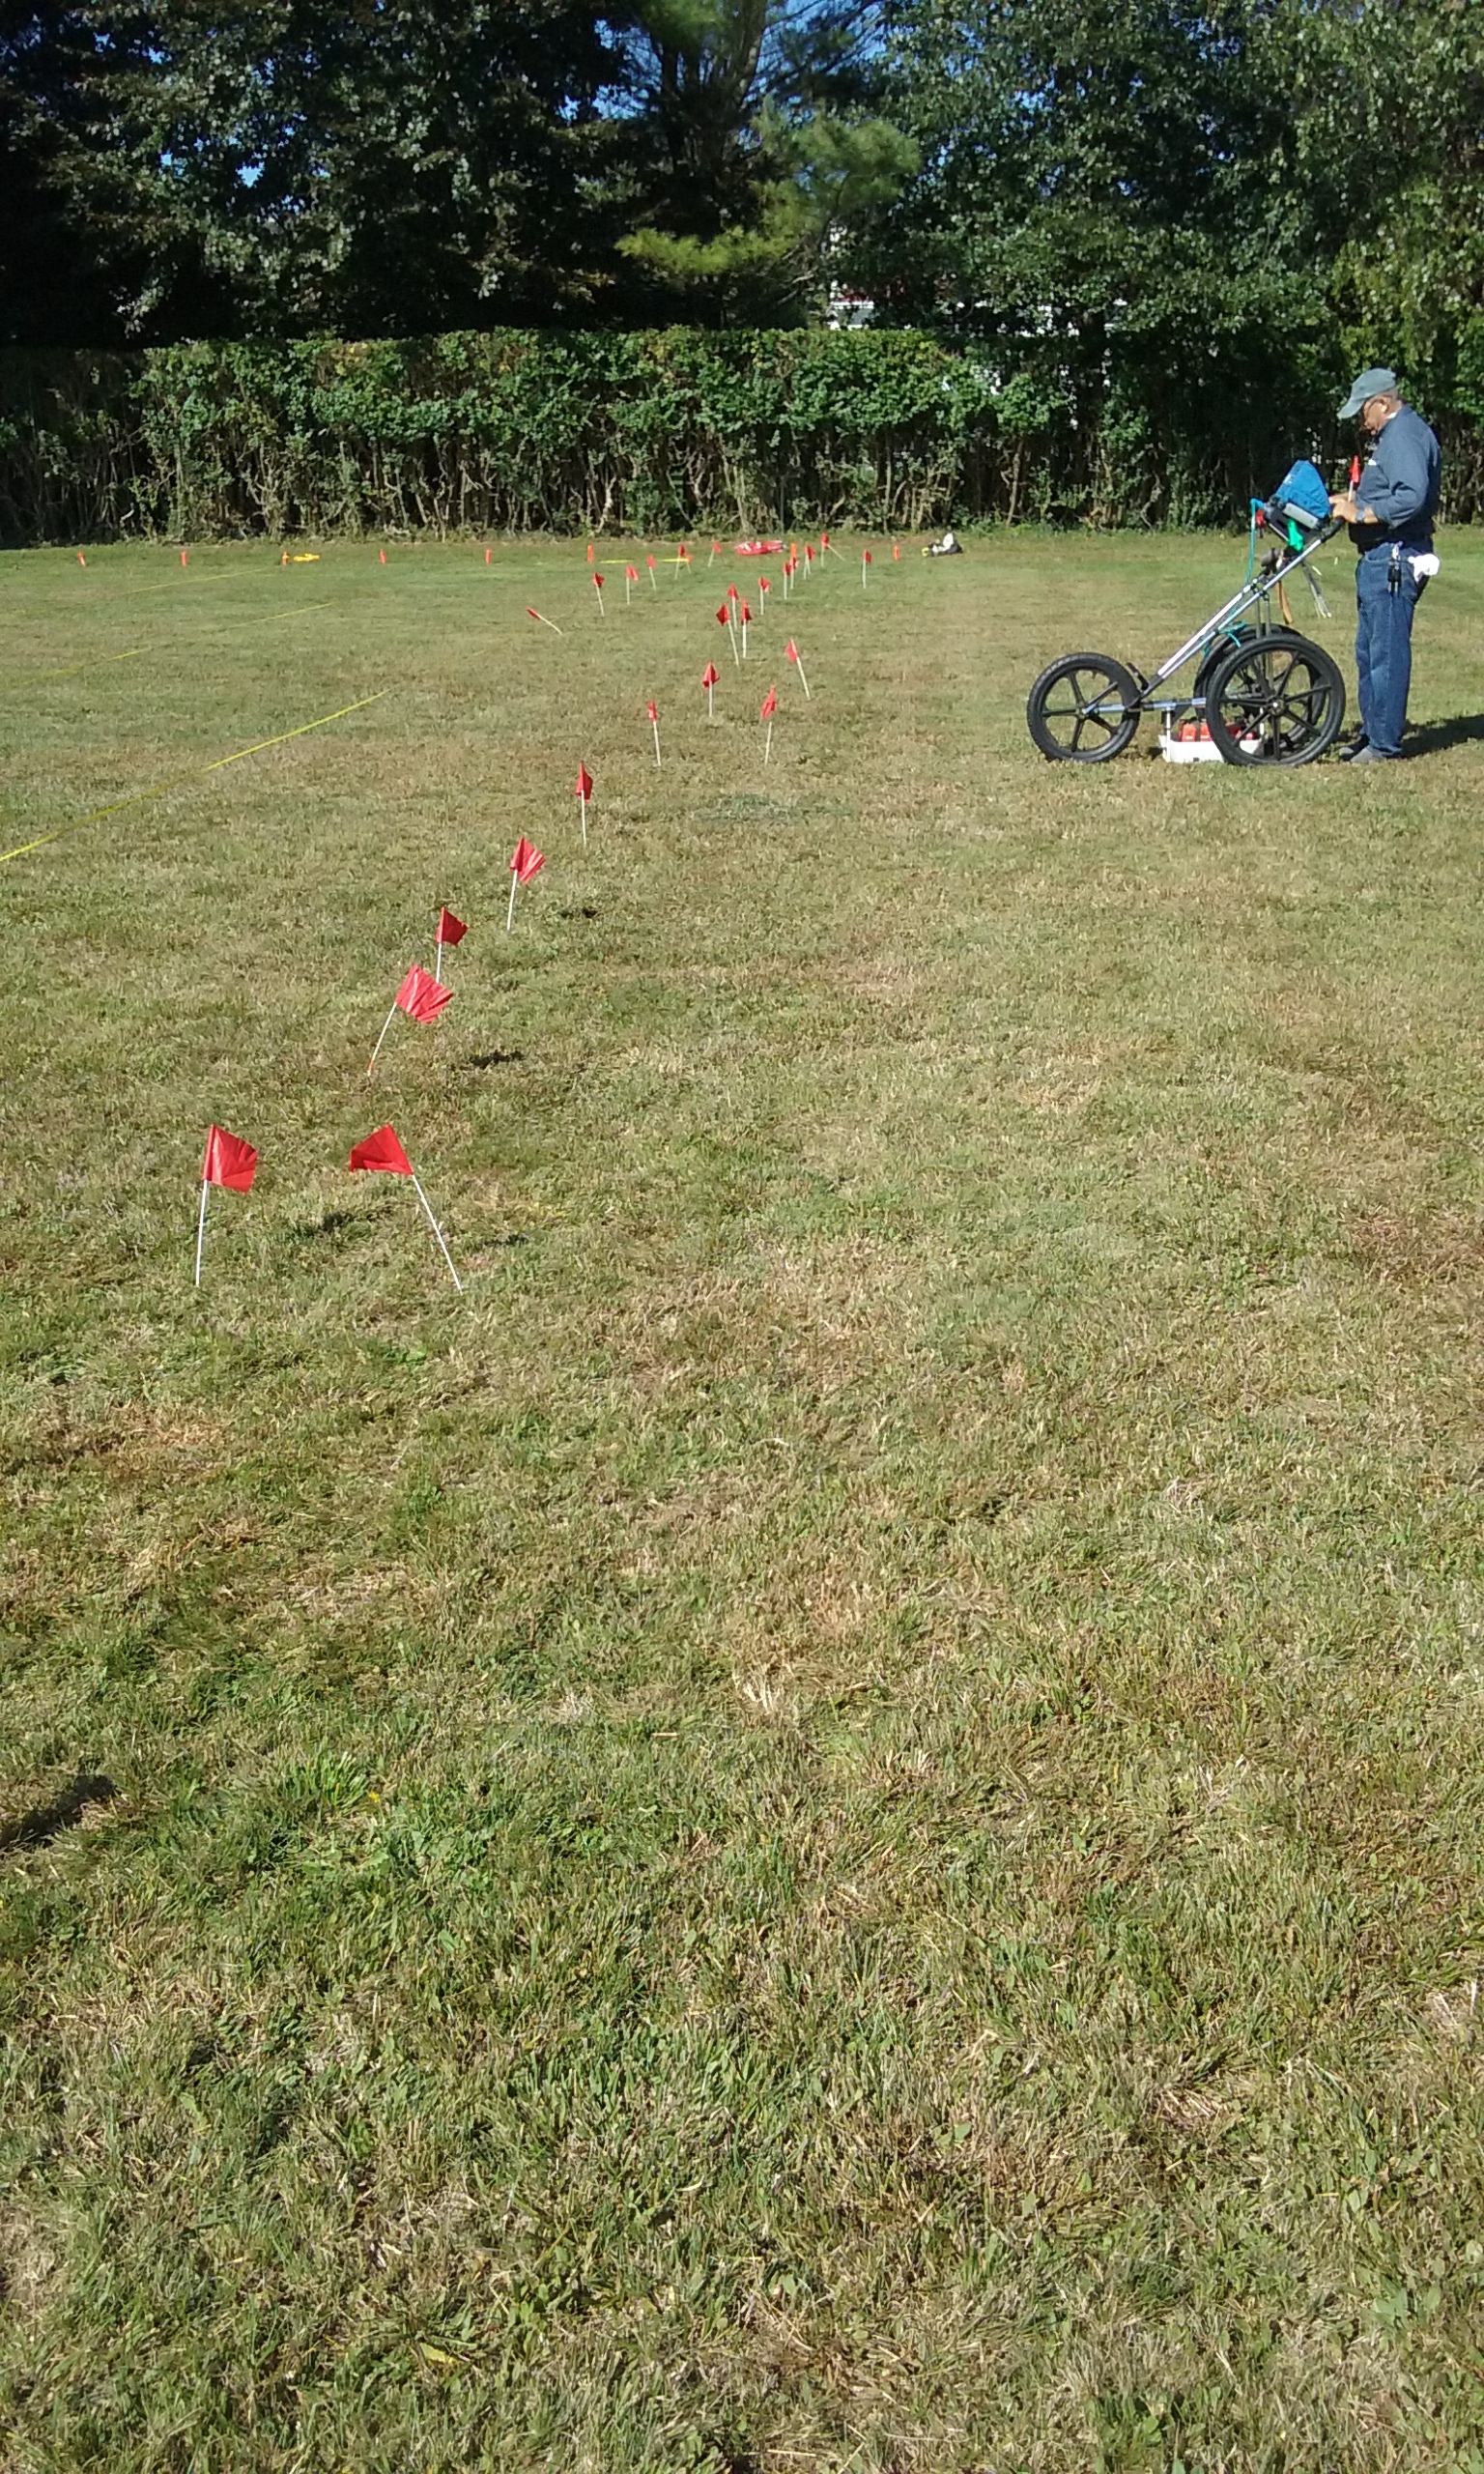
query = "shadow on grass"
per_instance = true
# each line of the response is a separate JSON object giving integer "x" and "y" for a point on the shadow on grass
{"x": 46, "y": 1821}
{"x": 494, "y": 1057}
{"x": 1434, "y": 736}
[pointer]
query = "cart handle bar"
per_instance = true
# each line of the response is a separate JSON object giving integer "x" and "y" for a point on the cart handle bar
{"x": 1244, "y": 601}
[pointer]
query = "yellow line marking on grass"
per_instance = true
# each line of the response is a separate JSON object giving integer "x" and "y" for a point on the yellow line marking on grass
{"x": 101, "y": 661}
{"x": 135, "y": 797}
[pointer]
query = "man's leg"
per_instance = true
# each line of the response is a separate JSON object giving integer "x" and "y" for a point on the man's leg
{"x": 1390, "y": 653}
{"x": 1365, "y": 605}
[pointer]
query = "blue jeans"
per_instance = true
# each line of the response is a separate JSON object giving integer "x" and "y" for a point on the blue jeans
{"x": 1383, "y": 642}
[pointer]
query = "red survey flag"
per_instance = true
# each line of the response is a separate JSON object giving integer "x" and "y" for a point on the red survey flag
{"x": 769, "y": 705}
{"x": 382, "y": 1150}
{"x": 525, "y": 862}
{"x": 733, "y": 594}
{"x": 584, "y": 783}
{"x": 630, "y": 580}
{"x": 542, "y": 621}
{"x": 708, "y": 679}
{"x": 650, "y": 563}
{"x": 598, "y": 586}
{"x": 450, "y": 931}
{"x": 654, "y": 724}
{"x": 793, "y": 651}
{"x": 229, "y": 1160}
{"x": 422, "y": 996}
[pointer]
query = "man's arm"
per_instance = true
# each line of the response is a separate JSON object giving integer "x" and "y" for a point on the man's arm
{"x": 1395, "y": 484}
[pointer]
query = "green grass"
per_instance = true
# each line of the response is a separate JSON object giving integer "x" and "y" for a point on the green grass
{"x": 834, "y": 1823}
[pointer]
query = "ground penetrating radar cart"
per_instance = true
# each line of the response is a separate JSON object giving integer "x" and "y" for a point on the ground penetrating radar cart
{"x": 1267, "y": 694}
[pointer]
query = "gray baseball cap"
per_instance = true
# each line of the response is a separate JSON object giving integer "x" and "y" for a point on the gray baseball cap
{"x": 1371, "y": 382}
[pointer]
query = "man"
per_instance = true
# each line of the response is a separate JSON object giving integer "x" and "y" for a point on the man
{"x": 1390, "y": 515}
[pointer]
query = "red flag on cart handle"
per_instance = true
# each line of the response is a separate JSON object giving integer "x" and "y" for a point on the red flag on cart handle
{"x": 229, "y": 1162}
{"x": 793, "y": 651}
{"x": 382, "y": 1151}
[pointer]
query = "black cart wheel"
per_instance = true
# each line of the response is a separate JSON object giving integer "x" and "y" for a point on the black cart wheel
{"x": 1085, "y": 707}
{"x": 1276, "y": 699}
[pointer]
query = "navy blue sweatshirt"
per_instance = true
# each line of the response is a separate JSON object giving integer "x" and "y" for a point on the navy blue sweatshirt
{"x": 1401, "y": 483}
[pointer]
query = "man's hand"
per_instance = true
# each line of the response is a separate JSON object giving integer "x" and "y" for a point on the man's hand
{"x": 1343, "y": 502}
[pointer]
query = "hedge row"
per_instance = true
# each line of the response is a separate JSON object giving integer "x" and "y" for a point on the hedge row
{"x": 641, "y": 433}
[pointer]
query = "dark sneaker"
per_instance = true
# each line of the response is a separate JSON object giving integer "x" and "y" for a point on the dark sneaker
{"x": 1353, "y": 747}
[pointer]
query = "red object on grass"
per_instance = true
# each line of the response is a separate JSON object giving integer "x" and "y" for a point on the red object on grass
{"x": 450, "y": 931}
{"x": 631, "y": 575}
{"x": 526, "y": 861}
{"x": 423, "y": 997}
{"x": 710, "y": 675}
{"x": 747, "y": 616}
{"x": 723, "y": 616}
{"x": 653, "y": 715}
{"x": 583, "y": 788}
{"x": 382, "y": 1150}
{"x": 866, "y": 560}
{"x": 769, "y": 705}
{"x": 791, "y": 650}
{"x": 597, "y": 581}
{"x": 229, "y": 1160}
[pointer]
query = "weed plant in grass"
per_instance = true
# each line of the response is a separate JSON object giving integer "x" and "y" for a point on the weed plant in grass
{"x": 836, "y": 1822}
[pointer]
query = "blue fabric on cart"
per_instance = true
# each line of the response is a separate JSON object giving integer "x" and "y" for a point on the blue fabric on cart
{"x": 1302, "y": 491}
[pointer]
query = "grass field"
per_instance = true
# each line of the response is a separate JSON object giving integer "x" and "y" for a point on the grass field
{"x": 836, "y": 1823}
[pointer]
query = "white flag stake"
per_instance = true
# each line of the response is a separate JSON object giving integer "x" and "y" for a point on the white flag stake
{"x": 744, "y": 631}
{"x": 598, "y": 586}
{"x": 767, "y": 752}
{"x": 510, "y": 913}
{"x": 793, "y": 655}
{"x": 628, "y": 588}
{"x": 583, "y": 796}
{"x": 201, "y": 1230}
{"x": 438, "y": 1233}
{"x": 732, "y": 633}
{"x": 386, "y": 1027}
{"x": 438, "y": 959}
{"x": 655, "y": 719}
